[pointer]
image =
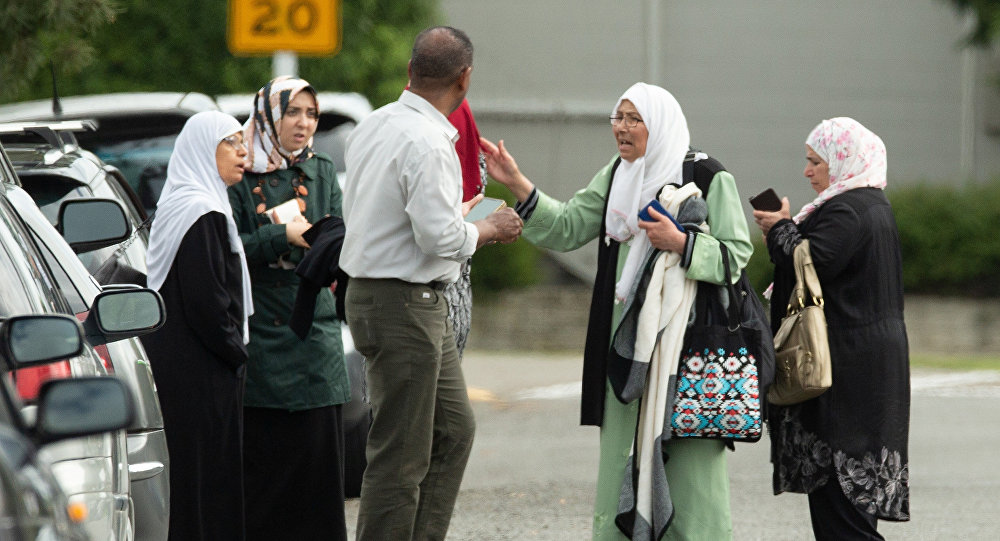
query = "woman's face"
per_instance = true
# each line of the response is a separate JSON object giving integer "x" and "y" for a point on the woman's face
{"x": 299, "y": 122}
{"x": 817, "y": 171}
{"x": 631, "y": 141}
{"x": 230, "y": 158}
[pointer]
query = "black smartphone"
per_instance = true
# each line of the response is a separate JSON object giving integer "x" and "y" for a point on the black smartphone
{"x": 766, "y": 200}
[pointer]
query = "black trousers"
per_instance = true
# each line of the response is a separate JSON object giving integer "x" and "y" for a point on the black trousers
{"x": 835, "y": 518}
{"x": 293, "y": 463}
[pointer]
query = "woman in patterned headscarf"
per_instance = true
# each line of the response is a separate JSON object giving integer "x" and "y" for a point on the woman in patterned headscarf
{"x": 293, "y": 438}
{"x": 846, "y": 448}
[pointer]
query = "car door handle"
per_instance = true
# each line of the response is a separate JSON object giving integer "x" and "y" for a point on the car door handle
{"x": 144, "y": 470}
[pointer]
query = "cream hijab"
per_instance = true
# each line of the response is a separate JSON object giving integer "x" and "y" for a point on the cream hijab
{"x": 193, "y": 189}
{"x": 261, "y": 130}
{"x": 637, "y": 182}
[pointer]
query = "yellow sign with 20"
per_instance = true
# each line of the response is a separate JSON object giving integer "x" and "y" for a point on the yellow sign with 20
{"x": 309, "y": 27}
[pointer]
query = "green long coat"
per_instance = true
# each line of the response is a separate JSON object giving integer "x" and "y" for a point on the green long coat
{"x": 284, "y": 372}
{"x": 699, "y": 483}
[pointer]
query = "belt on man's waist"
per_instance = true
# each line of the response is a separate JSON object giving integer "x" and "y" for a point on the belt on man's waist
{"x": 436, "y": 284}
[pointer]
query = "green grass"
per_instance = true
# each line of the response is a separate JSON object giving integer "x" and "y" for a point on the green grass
{"x": 955, "y": 362}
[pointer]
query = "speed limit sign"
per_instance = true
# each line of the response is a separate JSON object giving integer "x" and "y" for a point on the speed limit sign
{"x": 310, "y": 27}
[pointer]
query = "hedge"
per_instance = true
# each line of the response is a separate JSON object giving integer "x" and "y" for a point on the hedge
{"x": 948, "y": 236}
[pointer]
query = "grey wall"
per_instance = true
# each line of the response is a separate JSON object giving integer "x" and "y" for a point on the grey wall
{"x": 753, "y": 79}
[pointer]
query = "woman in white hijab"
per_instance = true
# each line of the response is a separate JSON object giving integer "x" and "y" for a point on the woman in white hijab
{"x": 196, "y": 262}
{"x": 652, "y": 140}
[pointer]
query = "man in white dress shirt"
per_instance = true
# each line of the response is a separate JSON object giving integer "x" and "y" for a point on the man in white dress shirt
{"x": 405, "y": 239}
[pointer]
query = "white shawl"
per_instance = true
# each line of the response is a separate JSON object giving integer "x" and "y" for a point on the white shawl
{"x": 662, "y": 322}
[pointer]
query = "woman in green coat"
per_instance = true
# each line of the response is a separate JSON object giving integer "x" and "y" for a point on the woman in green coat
{"x": 652, "y": 139}
{"x": 293, "y": 437}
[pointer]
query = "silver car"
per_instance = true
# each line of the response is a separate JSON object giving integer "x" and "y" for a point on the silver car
{"x": 93, "y": 471}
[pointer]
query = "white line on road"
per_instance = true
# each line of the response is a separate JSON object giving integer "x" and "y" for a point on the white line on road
{"x": 942, "y": 384}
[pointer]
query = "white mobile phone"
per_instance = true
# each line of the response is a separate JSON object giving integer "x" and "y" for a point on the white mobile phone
{"x": 484, "y": 208}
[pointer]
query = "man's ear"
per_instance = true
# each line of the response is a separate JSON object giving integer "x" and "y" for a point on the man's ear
{"x": 409, "y": 70}
{"x": 464, "y": 80}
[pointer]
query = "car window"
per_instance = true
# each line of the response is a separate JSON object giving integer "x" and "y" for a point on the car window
{"x": 135, "y": 251}
{"x": 49, "y": 191}
{"x": 143, "y": 162}
{"x": 66, "y": 285}
{"x": 26, "y": 287}
{"x": 7, "y": 174}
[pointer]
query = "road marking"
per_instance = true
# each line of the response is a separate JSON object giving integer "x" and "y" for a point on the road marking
{"x": 481, "y": 395}
{"x": 983, "y": 384}
{"x": 551, "y": 392}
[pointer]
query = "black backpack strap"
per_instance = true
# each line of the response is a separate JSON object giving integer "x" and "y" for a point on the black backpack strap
{"x": 702, "y": 171}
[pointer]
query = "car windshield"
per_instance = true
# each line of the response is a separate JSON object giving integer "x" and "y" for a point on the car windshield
{"x": 143, "y": 162}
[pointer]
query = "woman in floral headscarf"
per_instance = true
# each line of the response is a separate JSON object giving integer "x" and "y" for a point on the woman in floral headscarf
{"x": 846, "y": 448}
{"x": 293, "y": 440}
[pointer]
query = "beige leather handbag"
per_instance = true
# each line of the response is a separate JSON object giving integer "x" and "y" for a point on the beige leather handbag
{"x": 802, "y": 353}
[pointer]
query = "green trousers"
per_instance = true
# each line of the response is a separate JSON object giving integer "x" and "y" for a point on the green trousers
{"x": 422, "y": 427}
{"x": 696, "y": 472}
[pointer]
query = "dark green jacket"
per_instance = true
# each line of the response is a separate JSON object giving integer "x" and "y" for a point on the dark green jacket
{"x": 284, "y": 372}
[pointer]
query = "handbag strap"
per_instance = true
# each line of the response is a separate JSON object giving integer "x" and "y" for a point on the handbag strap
{"x": 806, "y": 280}
{"x": 734, "y": 299}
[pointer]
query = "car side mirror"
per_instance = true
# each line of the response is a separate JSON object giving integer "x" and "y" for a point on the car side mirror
{"x": 92, "y": 224}
{"x": 123, "y": 313}
{"x": 70, "y": 408}
{"x": 37, "y": 339}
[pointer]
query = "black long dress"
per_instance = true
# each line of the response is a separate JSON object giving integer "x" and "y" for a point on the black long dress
{"x": 856, "y": 433}
{"x": 198, "y": 361}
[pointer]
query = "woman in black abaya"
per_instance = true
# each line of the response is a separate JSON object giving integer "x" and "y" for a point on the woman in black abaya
{"x": 196, "y": 262}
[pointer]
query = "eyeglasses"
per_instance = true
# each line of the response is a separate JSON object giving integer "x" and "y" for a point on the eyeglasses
{"x": 236, "y": 140}
{"x": 630, "y": 121}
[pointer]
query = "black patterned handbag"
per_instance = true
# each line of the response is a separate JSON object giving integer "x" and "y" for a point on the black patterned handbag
{"x": 719, "y": 373}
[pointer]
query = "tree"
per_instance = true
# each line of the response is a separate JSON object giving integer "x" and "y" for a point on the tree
{"x": 180, "y": 45}
{"x": 37, "y": 32}
{"x": 987, "y": 20}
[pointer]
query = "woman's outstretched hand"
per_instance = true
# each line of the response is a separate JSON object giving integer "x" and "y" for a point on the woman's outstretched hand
{"x": 766, "y": 220}
{"x": 502, "y": 167}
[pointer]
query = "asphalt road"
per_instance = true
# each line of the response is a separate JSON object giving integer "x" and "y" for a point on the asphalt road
{"x": 532, "y": 471}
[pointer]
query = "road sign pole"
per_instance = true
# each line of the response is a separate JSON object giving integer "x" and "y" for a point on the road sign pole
{"x": 284, "y": 63}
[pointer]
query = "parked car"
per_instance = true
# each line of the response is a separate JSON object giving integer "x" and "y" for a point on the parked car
{"x": 135, "y": 130}
{"x": 33, "y": 507}
{"x": 53, "y": 169}
{"x": 93, "y": 471}
{"x": 339, "y": 113}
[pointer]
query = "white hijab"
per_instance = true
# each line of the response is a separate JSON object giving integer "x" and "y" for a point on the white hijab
{"x": 193, "y": 189}
{"x": 637, "y": 182}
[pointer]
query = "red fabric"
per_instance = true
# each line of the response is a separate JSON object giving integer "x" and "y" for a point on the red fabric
{"x": 467, "y": 148}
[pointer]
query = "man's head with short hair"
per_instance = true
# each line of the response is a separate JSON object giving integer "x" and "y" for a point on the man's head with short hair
{"x": 440, "y": 55}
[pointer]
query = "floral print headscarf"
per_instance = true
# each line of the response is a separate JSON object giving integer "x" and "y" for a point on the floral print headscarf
{"x": 261, "y": 129}
{"x": 856, "y": 157}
